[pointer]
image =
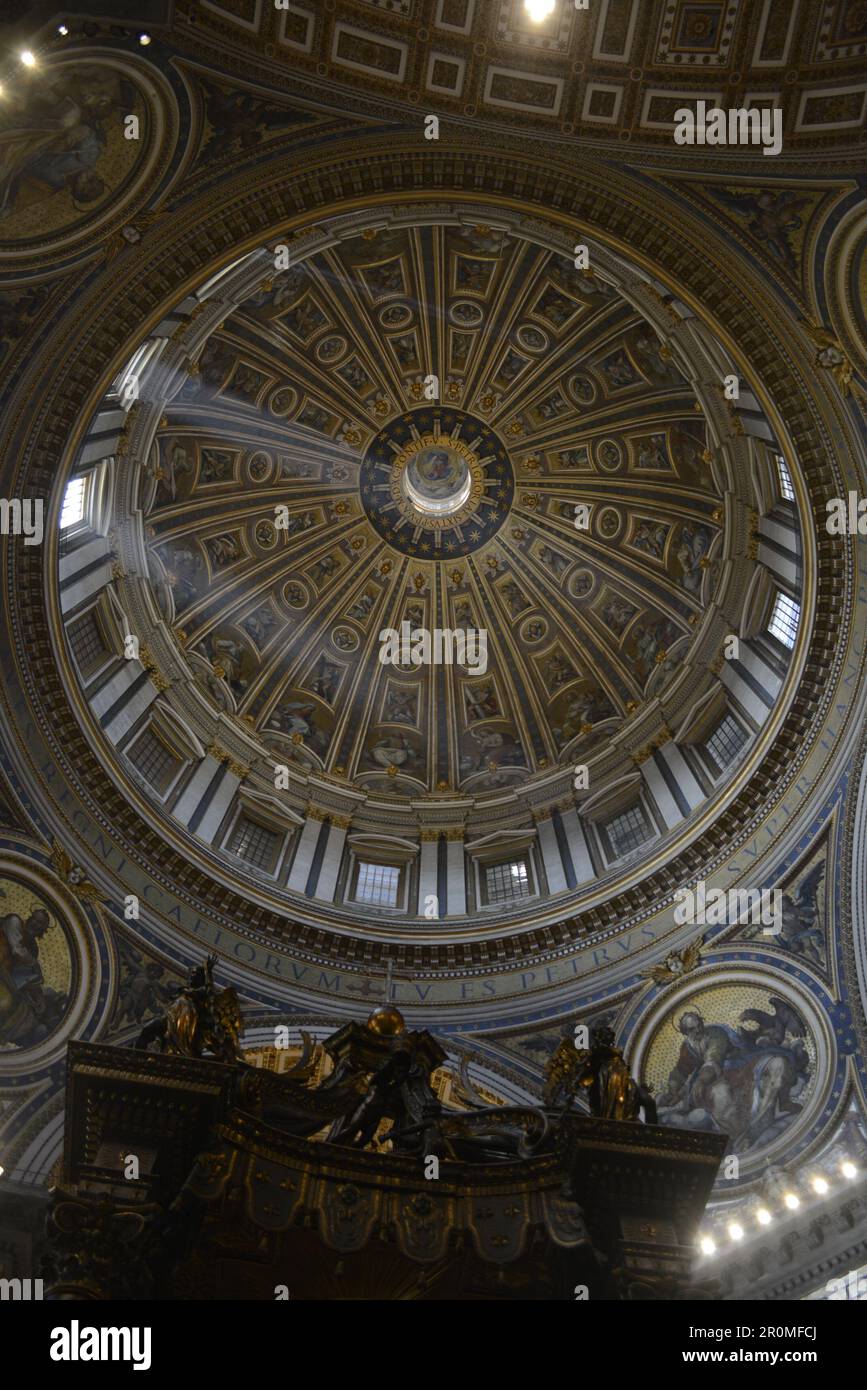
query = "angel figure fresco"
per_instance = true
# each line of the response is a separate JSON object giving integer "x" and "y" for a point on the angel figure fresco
{"x": 772, "y": 218}
{"x": 395, "y": 750}
{"x": 587, "y": 707}
{"x": 481, "y": 701}
{"x": 228, "y": 659}
{"x": 293, "y": 718}
{"x": 323, "y": 569}
{"x": 296, "y": 523}
{"x": 554, "y": 561}
{"x": 175, "y": 464}
{"x": 144, "y": 988}
{"x": 557, "y": 671}
{"x": 261, "y": 625}
{"x": 239, "y": 121}
{"x": 802, "y": 925}
{"x": 618, "y": 371}
{"x": 217, "y": 466}
{"x": 617, "y": 614}
{"x": 401, "y": 705}
{"x": 300, "y": 721}
{"x": 464, "y": 613}
{"x": 654, "y": 360}
{"x": 652, "y": 453}
{"x": 514, "y": 596}
{"x": 223, "y": 550}
{"x": 491, "y": 747}
{"x": 186, "y": 569}
{"x": 652, "y": 640}
{"x": 362, "y": 606}
{"x": 326, "y": 680}
{"x": 694, "y": 544}
{"x": 650, "y": 536}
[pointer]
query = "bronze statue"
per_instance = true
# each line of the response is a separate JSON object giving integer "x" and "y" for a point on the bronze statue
{"x": 385, "y": 1070}
{"x": 601, "y": 1071}
{"x": 201, "y": 1019}
{"x": 384, "y": 1099}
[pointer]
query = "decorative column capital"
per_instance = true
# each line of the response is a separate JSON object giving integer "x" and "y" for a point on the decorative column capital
{"x": 222, "y": 755}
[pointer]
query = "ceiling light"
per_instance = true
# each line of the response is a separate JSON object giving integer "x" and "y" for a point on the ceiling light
{"x": 144, "y": 40}
{"x": 763, "y": 1216}
{"x": 848, "y": 1169}
{"x": 736, "y": 1231}
{"x": 539, "y": 9}
{"x": 27, "y": 58}
{"x": 708, "y": 1246}
{"x": 820, "y": 1186}
{"x": 792, "y": 1202}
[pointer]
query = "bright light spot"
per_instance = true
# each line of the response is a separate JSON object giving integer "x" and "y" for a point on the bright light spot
{"x": 848, "y": 1169}
{"x": 62, "y": 29}
{"x": 72, "y": 510}
{"x": 27, "y": 58}
{"x": 708, "y": 1247}
{"x": 539, "y": 9}
{"x": 144, "y": 40}
{"x": 820, "y": 1186}
{"x": 736, "y": 1231}
{"x": 2, "y": 1170}
{"x": 763, "y": 1216}
{"x": 792, "y": 1202}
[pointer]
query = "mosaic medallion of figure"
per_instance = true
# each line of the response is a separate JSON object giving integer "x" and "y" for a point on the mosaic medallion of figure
{"x": 736, "y": 1059}
{"x": 64, "y": 153}
{"x": 36, "y": 971}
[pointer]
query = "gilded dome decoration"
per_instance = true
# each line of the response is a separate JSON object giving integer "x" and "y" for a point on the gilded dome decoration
{"x": 386, "y": 1021}
{"x": 436, "y": 484}
{"x": 279, "y": 539}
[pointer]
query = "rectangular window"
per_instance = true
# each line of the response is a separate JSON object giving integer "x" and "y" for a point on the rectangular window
{"x": 726, "y": 741}
{"x": 785, "y": 478}
{"x": 505, "y": 883}
{"x": 627, "y": 831}
{"x": 784, "y": 620}
{"x": 156, "y": 763}
{"x": 88, "y": 647}
{"x": 255, "y": 844}
{"x": 378, "y": 884}
{"x": 74, "y": 499}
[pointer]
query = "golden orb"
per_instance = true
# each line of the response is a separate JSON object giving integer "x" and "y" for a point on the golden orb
{"x": 387, "y": 1021}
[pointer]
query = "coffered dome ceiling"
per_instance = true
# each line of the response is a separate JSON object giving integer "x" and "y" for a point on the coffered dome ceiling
{"x": 282, "y": 542}
{"x": 412, "y": 421}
